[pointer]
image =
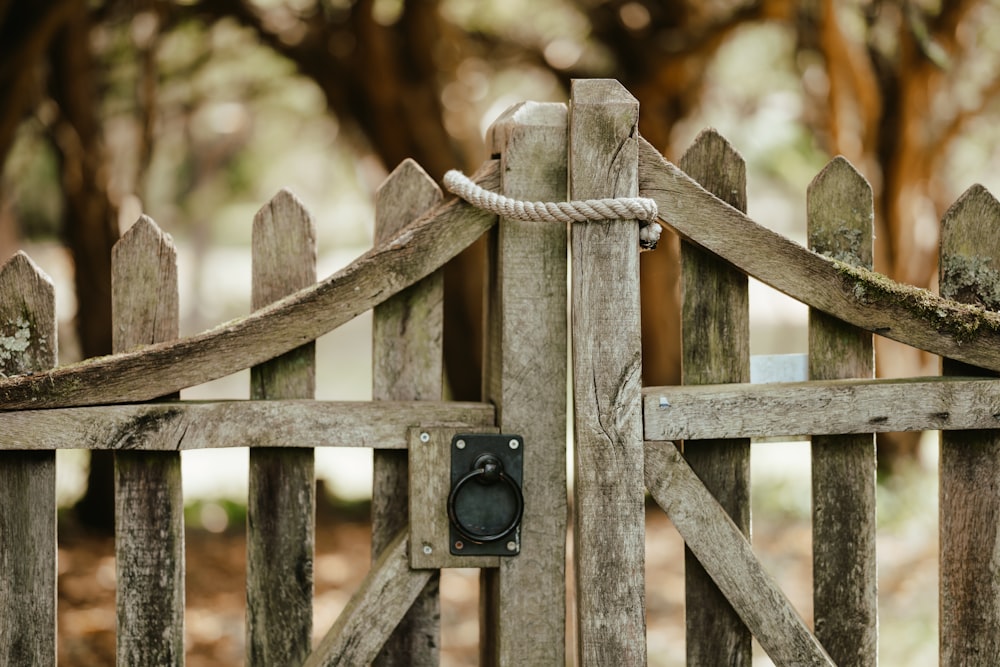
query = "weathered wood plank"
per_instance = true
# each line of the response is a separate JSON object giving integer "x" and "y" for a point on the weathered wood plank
{"x": 149, "y": 501}
{"x": 281, "y": 499}
{"x": 430, "y": 481}
{"x": 384, "y": 271}
{"x": 609, "y": 500}
{"x": 970, "y": 461}
{"x": 715, "y": 326}
{"x": 376, "y": 608}
{"x": 820, "y": 408}
{"x": 407, "y": 333}
{"x": 727, "y": 556}
{"x": 865, "y": 299}
{"x": 27, "y": 479}
{"x": 840, "y": 222}
{"x": 525, "y": 604}
{"x": 195, "y": 425}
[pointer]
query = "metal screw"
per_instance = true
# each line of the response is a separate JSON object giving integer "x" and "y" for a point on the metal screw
{"x": 459, "y": 545}
{"x": 428, "y": 550}
{"x": 425, "y": 437}
{"x": 514, "y": 444}
{"x": 461, "y": 445}
{"x": 512, "y": 546}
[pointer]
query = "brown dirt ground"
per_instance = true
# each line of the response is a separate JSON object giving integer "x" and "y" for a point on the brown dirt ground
{"x": 216, "y": 606}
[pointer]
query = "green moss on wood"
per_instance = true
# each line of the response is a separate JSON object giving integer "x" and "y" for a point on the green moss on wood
{"x": 959, "y": 321}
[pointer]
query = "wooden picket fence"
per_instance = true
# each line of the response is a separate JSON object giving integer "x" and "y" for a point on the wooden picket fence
{"x": 688, "y": 446}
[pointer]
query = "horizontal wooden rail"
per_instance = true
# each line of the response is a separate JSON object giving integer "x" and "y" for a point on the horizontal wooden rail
{"x": 860, "y": 297}
{"x": 414, "y": 253}
{"x": 820, "y": 408}
{"x": 202, "y": 425}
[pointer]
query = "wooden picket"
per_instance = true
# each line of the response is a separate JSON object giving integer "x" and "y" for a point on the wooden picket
{"x": 687, "y": 445}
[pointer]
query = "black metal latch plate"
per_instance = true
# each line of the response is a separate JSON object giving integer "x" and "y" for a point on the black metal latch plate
{"x": 486, "y": 503}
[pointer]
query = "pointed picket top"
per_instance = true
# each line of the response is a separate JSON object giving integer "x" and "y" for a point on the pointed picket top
{"x": 145, "y": 228}
{"x": 969, "y": 244}
{"x": 841, "y": 216}
{"x": 27, "y": 317}
{"x": 409, "y": 192}
{"x": 282, "y": 229}
{"x": 718, "y": 167}
{"x": 145, "y": 255}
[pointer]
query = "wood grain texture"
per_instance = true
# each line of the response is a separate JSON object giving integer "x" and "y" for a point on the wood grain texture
{"x": 715, "y": 332}
{"x": 840, "y": 221}
{"x": 407, "y": 336}
{"x": 184, "y": 425}
{"x": 416, "y": 252}
{"x": 970, "y": 461}
{"x": 430, "y": 482}
{"x": 820, "y": 408}
{"x": 526, "y": 379}
{"x": 724, "y": 552}
{"x": 281, "y": 500}
{"x": 863, "y": 298}
{"x": 609, "y": 515}
{"x": 374, "y": 610}
{"x": 27, "y": 479}
{"x": 149, "y": 500}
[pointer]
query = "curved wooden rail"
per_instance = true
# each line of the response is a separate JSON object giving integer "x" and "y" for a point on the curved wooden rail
{"x": 863, "y": 298}
{"x": 415, "y": 252}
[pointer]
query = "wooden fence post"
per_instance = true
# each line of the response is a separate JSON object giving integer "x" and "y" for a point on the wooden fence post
{"x": 407, "y": 365}
{"x": 524, "y": 601}
{"x": 281, "y": 507}
{"x": 845, "y": 583}
{"x": 27, "y": 479}
{"x": 609, "y": 531}
{"x": 149, "y": 501}
{"x": 970, "y": 460}
{"x": 715, "y": 330}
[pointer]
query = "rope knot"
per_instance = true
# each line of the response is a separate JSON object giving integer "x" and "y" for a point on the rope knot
{"x": 638, "y": 208}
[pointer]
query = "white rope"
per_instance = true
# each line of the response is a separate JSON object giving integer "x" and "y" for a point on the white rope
{"x": 639, "y": 208}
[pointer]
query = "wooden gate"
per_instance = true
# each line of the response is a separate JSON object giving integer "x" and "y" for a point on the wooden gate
{"x": 689, "y": 445}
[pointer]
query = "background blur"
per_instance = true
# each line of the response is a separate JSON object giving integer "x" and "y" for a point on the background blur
{"x": 196, "y": 113}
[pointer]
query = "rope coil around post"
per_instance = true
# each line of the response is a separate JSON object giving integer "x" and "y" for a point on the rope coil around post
{"x": 639, "y": 208}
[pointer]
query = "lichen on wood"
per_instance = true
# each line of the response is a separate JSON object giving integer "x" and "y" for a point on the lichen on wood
{"x": 960, "y": 321}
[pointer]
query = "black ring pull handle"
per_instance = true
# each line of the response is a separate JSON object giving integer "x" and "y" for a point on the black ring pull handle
{"x": 488, "y": 470}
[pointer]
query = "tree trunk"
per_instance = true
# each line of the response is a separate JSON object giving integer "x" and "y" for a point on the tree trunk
{"x": 89, "y": 223}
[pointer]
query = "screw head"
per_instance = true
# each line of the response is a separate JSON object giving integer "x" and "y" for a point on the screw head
{"x": 460, "y": 444}
{"x": 512, "y": 546}
{"x": 459, "y": 544}
{"x": 425, "y": 437}
{"x": 428, "y": 550}
{"x": 514, "y": 444}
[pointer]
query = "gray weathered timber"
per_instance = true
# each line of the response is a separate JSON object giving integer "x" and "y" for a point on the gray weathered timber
{"x": 407, "y": 332}
{"x": 840, "y": 222}
{"x": 149, "y": 501}
{"x": 27, "y": 479}
{"x": 430, "y": 483}
{"x": 820, "y": 408}
{"x": 374, "y": 610}
{"x": 860, "y": 297}
{"x": 525, "y": 609}
{"x": 715, "y": 332}
{"x": 414, "y": 253}
{"x": 609, "y": 497}
{"x": 184, "y": 425}
{"x": 281, "y": 500}
{"x": 970, "y": 461}
{"x": 727, "y": 556}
